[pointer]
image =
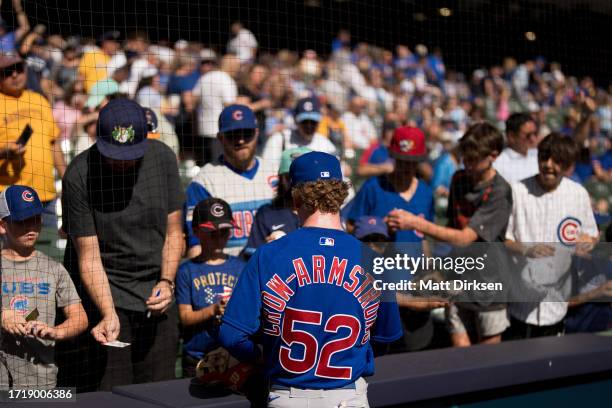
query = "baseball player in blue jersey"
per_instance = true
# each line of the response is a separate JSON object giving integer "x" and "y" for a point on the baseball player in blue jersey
{"x": 311, "y": 298}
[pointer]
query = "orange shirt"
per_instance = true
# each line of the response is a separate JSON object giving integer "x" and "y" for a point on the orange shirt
{"x": 35, "y": 169}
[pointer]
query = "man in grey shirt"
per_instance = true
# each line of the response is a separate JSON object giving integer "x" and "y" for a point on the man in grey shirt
{"x": 122, "y": 203}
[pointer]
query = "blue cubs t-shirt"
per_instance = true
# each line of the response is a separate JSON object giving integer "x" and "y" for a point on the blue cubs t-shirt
{"x": 200, "y": 285}
{"x": 377, "y": 197}
{"x": 311, "y": 296}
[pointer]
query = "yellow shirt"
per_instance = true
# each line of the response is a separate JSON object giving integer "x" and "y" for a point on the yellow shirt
{"x": 93, "y": 67}
{"x": 326, "y": 124}
{"x": 35, "y": 169}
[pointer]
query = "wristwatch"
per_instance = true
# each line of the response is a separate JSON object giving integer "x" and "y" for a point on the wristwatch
{"x": 168, "y": 281}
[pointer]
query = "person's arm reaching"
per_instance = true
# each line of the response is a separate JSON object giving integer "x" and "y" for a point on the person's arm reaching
{"x": 79, "y": 224}
{"x": 58, "y": 159}
{"x": 242, "y": 315}
{"x": 75, "y": 324}
{"x": 372, "y": 170}
{"x": 22, "y": 21}
{"x": 404, "y": 220}
{"x": 171, "y": 256}
{"x": 95, "y": 281}
{"x": 190, "y": 317}
{"x": 239, "y": 344}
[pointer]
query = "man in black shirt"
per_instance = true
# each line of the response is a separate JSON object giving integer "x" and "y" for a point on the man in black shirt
{"x": 122, "y": 203}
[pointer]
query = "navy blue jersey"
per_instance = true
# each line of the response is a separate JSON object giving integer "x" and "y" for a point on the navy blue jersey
{"x": 377, "y": 197}
{"x": 200, "y": 285}
{"x": 315, "y": 307}
{"x": 270, "y": 219}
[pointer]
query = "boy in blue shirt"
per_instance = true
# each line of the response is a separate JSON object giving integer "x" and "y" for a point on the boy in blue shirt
{"x": 204, "y": 284}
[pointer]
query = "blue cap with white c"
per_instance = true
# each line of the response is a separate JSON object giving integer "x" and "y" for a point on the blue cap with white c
{"x": 236, "y": 117}
{"x": 315, "y": 166}
{"x": 18, "y": 203}
{"x": 308, "y": 109}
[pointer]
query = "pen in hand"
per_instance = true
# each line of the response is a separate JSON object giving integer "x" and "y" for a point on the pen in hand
{"x": 156, "y": 295}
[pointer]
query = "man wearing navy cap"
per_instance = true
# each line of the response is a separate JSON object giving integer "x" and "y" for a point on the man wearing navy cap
{"x": 122, "y": 204}
{"x": 239, "y": 177}
{"x": 307, "y": 115}
{"x": 303, "y": 293}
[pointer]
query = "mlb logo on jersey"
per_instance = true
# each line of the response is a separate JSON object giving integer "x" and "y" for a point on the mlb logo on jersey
{"x": 325, "y": 174}
{"x": 324, "y": 241}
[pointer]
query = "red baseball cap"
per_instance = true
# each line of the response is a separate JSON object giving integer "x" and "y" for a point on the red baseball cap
{"x": 408, "y": 144}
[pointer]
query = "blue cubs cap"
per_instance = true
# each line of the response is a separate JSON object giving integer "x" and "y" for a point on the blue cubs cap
{"x": 314, "y": 166}
{"x": 18, "y": 203}
{"x": 369, "y": 225}
{"x": 122, "y": 130}
{"x": 308, "y": 109}
{"x": 236, "y": 117}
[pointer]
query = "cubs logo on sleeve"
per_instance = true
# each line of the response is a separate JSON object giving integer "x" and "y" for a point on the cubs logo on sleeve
{"x": 569, "y": 230}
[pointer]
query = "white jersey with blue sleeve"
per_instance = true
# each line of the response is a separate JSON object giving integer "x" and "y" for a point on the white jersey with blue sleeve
{"x": 244, "y": 191}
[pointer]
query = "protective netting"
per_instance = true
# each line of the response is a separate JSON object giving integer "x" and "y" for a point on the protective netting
{"x": 389, "y": 88}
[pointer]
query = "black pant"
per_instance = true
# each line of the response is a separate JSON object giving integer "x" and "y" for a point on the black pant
{"x": 521, "y": 330}
{"x": 89, "y": 366}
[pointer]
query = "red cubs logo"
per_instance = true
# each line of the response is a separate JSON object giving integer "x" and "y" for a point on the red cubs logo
{"x": 569, "y": 230}
{"x": 237, "y": 115}
{"x": 27, "y": 196}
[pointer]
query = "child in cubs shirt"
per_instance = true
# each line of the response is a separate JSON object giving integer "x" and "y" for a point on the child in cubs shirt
{"x": 204, "y": 284}
{"x": 33, "y": 287}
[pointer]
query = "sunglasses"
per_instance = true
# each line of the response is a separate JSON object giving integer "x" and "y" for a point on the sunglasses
{"x": 8, "y": 71}
{"x": 309, "y": 123}
{"x": 243, "y": 134}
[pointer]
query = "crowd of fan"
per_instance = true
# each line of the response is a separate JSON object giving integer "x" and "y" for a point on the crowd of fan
{"x": 363, "y": 89}
{"x": 349, "y": 103}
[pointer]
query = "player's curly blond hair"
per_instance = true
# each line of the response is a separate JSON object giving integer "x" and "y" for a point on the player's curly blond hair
{"x": 325, "y": 196}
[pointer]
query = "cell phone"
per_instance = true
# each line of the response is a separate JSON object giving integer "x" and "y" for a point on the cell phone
{"x": 33, "y": 315}
{"x": 25, "y": 135}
